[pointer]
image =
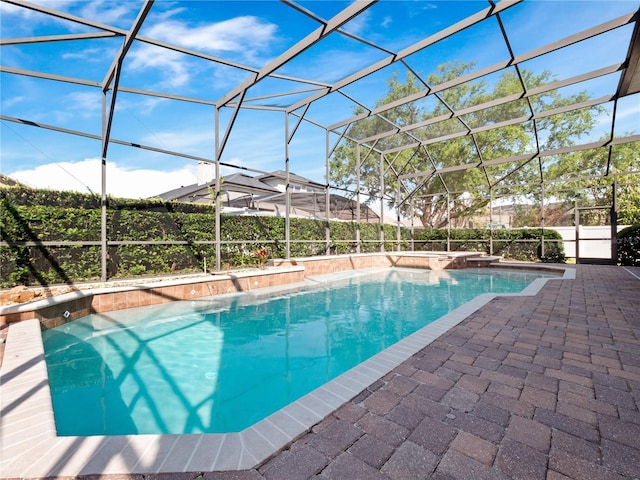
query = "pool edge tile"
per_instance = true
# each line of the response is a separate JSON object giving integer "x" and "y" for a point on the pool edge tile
{"x": 204, "y": 454}
{"x": 230, "y": 454}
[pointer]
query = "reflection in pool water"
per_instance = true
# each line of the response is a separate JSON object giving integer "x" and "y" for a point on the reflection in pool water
{"x": 223, "y": 363}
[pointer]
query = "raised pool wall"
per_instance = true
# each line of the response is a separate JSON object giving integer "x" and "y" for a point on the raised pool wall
{"x": 60, "y": 309}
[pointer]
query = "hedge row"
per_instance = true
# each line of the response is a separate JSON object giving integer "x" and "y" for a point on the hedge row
{"x": 49, "y": 216}
{"x": 513, "y": 244}
{"x": 629, "y": 246}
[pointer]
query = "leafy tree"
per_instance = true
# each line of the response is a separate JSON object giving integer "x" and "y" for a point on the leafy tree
{"x": 468, "y": 188}
{"x": 626, "y": 158}
{"x": 629, "y": 204}
{"x": 555, "y": 214}
{"x": 598, "y": 191}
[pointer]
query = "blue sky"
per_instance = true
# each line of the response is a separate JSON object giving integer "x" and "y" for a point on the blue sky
{"x": 250, "y": 34}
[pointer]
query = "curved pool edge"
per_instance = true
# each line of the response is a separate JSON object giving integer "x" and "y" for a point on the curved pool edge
{"x": 31, "y": 448}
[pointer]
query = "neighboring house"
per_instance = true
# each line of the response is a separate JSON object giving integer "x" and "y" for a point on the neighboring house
{"x": 307, "y": 204}
{"x": 265, "y": 195}
{"x": 6, "y": 181}
{"x": 232, "y": 187}
{"x": 277, "y": 180}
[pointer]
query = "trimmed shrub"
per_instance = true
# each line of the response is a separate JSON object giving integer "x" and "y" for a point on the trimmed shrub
{"x": 628, "y": 241}
{"x": 512, "y": 244}
{"x": 134, "y": 228}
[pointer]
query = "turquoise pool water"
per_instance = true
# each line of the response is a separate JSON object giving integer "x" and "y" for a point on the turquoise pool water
{"x": 220, "y": 364}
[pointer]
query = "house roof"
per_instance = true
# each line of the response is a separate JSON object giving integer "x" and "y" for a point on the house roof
{"x": 297, "y": 179}
{"x": 6, "y": 181}
{"x": 237, "y": 182}
{"x": 311, "y": 202}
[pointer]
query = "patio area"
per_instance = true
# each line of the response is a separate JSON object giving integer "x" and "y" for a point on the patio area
{"x": 537, "y": 387}
{"x": 543, "y": 387}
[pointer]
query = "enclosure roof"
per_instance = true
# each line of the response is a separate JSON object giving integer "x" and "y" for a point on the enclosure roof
{"x": 311, "y": 203}
{"x": 237, "y": 182}
{"x": 482, "y": 71}
{"x": 293, "y": 178}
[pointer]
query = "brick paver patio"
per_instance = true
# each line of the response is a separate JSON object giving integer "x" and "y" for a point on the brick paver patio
{"x": 543, "y": 387}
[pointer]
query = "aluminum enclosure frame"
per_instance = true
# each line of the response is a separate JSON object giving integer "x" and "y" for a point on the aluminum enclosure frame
{"x": 294, "y": 114}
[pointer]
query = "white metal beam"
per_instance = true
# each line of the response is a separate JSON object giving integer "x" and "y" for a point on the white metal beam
{"x": 445, "y": 33}
{"x": 56, "y": 38}
{"x": 336, "y": 22}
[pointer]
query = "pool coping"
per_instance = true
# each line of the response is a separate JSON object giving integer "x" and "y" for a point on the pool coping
{"x": 31, "y": 448}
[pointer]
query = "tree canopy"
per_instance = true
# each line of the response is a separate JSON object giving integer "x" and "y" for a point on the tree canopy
{"x": 488, "y": 123}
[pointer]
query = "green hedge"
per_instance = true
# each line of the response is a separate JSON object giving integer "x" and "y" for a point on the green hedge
{"x": 51, "y": 216}
{"x": 628, "y": 240}
{"x": 513, "y": 244}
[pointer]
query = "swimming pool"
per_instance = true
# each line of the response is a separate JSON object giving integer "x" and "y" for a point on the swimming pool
{"x": 221, "y": 364}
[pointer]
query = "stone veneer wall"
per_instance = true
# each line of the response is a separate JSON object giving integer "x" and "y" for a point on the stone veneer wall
{"x": 65, "y": 308}
{"x": 330, "y": 264}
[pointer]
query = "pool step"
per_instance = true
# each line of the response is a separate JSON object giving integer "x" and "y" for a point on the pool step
{"x": 483, "y": 261}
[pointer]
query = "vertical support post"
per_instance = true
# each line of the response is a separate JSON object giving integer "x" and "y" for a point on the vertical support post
{"x": 576, "y": 221}
{"x": 381, "y": 202}
{"x": 112, "y": 81}
{"x": 216, "y": 199}
{"x": 448, "y": 223}
{"x": 287, "y": 239}
{"x": 358, "y": 199}
{"x": 490, "y": 220}
{"x": 327, "y": 228}
{"x": 614, "y": 221}
{"x": 103, "y": 193}
{"x": 542, "y": 219}
{"x": 413, "y": 213}
{"x": 398, "y": 229}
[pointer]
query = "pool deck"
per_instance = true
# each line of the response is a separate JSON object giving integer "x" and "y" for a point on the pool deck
{"x": 539, "y": 386}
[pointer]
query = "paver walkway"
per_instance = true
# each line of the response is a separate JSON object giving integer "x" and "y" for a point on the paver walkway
{"x": 544, "y": 387}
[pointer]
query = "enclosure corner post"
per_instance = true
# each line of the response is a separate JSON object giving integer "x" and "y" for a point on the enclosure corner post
{"x": 216, "y": 200}
{"x": 614, "y": 221}
{"x": 576, "y": 221}
{"x": 327, "y": 198}
{"x": 542, "y": 219}
{"x": 413, "y": 231}
{"x": 490, "y": 220}
{"x": 358, "y": 198}
{"x": 287, "y": 191}
{"x": 382, "y": 249}
{"x": 448, "y": 223}
{"x": 398, "y": 230}
{"x": 103, "y": 195}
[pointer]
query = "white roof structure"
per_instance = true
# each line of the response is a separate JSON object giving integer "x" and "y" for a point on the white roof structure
{"x": 262, "y": 86}
{"x": 327, "y": 61}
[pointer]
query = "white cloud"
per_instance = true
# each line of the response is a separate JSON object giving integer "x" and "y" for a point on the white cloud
{"x": 10, "y": 102}
{"x": 108, "y": 12}
{"x": 245, "y": 34}
{"x": 121, "y": 181}
{"x": 359, "y": 24}
{"x": 89, "y": 55}
{"x": 190, "y": 140}
{"x": 83, "y": 104}
{"x": 104, "y": 11}
{"x": 141, "y": 105}
{"x": 8, "y": 9}
{"x": 171, "y": 64}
